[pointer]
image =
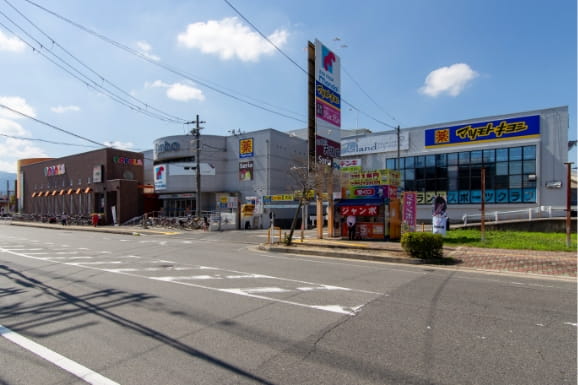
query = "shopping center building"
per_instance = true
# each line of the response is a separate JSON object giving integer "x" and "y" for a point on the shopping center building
{"x": 108, "y": 182}
{"x": 522, "y": 156}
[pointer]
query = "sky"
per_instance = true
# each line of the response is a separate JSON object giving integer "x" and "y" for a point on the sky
{"x": 84, "y": 74}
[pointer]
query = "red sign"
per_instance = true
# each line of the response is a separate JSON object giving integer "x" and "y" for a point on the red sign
{"x": 362, "y": 211}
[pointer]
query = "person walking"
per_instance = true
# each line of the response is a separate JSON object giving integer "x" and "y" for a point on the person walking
{"x": 63, "y": 219}
{"x": 351, "y": 220}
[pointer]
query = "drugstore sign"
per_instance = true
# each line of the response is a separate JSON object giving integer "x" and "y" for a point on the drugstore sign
{"x": 497, "y": 130}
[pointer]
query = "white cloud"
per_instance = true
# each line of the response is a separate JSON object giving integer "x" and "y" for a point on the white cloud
{"x": 18, "y": 104}
{"x": 451, "y": 80}
{"x": 11, "y": 44}
{"x": 63, "y": 109}
{"x": 120, "y": 145}
{"x": 145, "y": 49}
{"x": 178, "y": 91}
{"x": 230, "y": 39}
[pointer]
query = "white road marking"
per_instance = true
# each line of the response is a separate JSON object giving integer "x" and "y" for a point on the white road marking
{"x": 570, "y": 323}
{"x": 72, "y": 367}
{"x": 243, "y": 292}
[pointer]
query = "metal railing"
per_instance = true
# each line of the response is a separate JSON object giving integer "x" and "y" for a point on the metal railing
{"x": 529, "y": 214}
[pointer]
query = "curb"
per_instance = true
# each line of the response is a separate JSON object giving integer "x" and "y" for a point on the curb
{"x": 356, "y": 254}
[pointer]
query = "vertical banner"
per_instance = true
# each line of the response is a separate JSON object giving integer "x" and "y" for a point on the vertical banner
{"x": 409, "y": 211}
{"x": 160, "y": 177}
{"x": 327, "y": 104}
{"x": 246, "y": 171}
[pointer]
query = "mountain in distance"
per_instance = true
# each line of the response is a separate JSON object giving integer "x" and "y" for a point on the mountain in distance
{"x": 9, "y": 177}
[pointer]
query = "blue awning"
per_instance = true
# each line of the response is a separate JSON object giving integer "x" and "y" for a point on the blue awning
{"x": 358, "y": 202}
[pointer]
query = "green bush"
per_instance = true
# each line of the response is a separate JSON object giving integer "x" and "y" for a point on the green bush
{"x": 423, "y": 245}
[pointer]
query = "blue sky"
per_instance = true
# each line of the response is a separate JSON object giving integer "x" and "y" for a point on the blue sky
{"x": 411, "y": 63}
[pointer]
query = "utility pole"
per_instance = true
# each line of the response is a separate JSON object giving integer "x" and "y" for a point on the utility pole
{"x": 197, "y": 134}
{"x": 568, "y": 203}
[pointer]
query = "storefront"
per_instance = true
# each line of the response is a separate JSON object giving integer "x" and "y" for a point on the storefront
{"x": 107, "y": 181}
{"x": 520, "y": 156}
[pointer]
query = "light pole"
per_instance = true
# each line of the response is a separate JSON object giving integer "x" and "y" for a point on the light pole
{"x": 568, "y": 207}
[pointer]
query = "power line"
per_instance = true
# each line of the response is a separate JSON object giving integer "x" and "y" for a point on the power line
{"x": 161, "y": 65}
{"x": 302, "y": 69}
{"x": 158, "y": 114}
{"x": 44, "y": 141}
{"x": 52, "y": 126}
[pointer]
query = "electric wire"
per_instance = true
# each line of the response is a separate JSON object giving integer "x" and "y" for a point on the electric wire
{"x": 168, "y": 68}
{"x": 45, "y": 141}
{"x": 158, "y": 114}
{"x": 52, "y": 126}
{"x": 306, "y": 72}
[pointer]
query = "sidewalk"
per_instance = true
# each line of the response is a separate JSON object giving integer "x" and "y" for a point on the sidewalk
{"x": 538, "y": 263}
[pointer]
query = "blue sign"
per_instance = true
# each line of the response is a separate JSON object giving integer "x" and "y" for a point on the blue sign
{"x": 504, "y": 129}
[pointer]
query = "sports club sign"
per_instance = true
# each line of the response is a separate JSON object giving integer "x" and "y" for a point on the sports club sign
{"x": 327, "y": 100}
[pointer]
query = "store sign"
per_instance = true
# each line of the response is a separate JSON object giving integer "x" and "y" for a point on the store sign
{"x": 97, "y": 174}
{"x": 246, "y": 149}
{"x": 409, "y": 210}
{"x": 127, "y": 161}
{"x": 246, "y": 171}
{"x": 167, "y": 147}
{"x": 505, "y": 129}
{"x": 372, "y": 178}
{"x": 350, "y": 165}
{"x": 160, "y": 177}
{"x": 366, "y": 192}
{"x": 362, "y": 211}
{"x": 326, "y": 150}
{"x": 55, "y": 170}
{"x": 374, "y": 144}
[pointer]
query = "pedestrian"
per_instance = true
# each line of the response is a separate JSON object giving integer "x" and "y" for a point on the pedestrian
{"x": 63, "y": 219}
{"x": 351, "y": 226}
{"x": 94, "y": 219}
{"x": 205, "y": 223}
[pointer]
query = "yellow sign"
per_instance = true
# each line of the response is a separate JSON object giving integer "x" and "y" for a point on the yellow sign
{"x": 372, "y": 178}
{"x": 282, "y": 197}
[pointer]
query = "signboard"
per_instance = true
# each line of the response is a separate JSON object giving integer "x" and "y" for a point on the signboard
{"x": 326, "y": 150}
{"x": 327, "y": 104}
{"x": 409, "y": 210}
{"x": 497, "y": 130}
{"x": 366, "y": 192}
{"x": 350, "y": 165}
{"x": 246, "y": 149}
{"x": 362, "y": 211}
{"x": 97, "y": 174}
{"x": 58, "y": 169}
{"x": 160, "y": 178}
{"x": 374, "y": 144}
{"x": 372, "y": 178}
{"x": 246, "y": 171}
{"x": 190, "y": 169}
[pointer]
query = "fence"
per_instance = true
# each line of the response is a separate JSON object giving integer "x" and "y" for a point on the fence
{"x": 529, "y": 214}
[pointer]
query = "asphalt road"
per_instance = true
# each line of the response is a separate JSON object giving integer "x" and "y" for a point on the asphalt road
{"x": 209, "y": 308}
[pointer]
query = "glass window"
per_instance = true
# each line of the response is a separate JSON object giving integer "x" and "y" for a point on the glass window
{"x": 419, "y": 161}
{"x": 502, "y": 168}
{"x": 516, "y": 153}
{"x": 453, "y": 177}
{"x": 501, "y": 181}
{"x": 441, "y": 160}
{"x": 476, "y": 157}
{"x": 463, "y": 178}
{"x": 529, "y": 167}
{"x": 464, "y": 158}
{"x": 430, "y": 161}
{"x": 530, "y": 152}
{"x": 489, "y": 156}
{"x": 409, "y": 174}
{"x": 430, "y": 172}
{"x": 515, "y": 167}
{"x": 501, "y": 154}
{"x": 409, "y": 163}
{"x": 453, "y": 159}
{"x": 390, "y": 164}
{"x": 401, "y": 163}
{"x": 515, "y": 181}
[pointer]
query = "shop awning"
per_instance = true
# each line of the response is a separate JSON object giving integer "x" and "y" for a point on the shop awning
{"x": 34, "y": 194}
{"x": 54, "y": 192}
{"x": 78, "y": 191}
{"x": 69, "y": 191}
{"x": 46, "y": 193}
{"x": 61, "y": 192}
{"x": 359, "y": 207}
{"x": 87, "y": 190}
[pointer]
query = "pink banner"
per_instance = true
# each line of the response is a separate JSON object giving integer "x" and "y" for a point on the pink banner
{"x": 409, "y": 212}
